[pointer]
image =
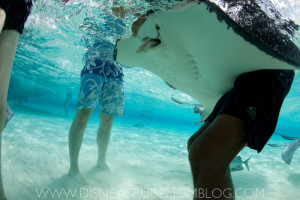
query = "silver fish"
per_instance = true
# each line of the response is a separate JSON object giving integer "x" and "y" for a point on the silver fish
{"x": 237, "y": 163}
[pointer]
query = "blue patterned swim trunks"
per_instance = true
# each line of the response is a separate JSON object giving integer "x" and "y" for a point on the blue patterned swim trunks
{"x": 109, "y": 93}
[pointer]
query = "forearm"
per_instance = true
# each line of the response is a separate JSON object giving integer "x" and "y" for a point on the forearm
{"x": 8, "y": 45}
{"x": 2, "y": 18}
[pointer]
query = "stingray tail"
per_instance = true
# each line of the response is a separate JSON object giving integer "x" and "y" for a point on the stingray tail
{"x": 246, "y": 163}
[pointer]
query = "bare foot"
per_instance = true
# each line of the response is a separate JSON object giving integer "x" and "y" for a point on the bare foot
{"x": 75, "y": 174}
{"x": 103, "y": 166}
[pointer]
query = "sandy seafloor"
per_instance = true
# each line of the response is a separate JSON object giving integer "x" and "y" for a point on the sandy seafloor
{"x": 146, "y": 162}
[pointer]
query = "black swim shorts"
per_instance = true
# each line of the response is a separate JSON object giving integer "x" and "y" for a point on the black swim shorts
{"x": 17, "y": 12}
{"x": 256, "y": 98}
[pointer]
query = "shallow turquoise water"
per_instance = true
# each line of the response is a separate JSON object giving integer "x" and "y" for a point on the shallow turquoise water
{"x": 147, "y": 151}
{"x": 148, "y": 162}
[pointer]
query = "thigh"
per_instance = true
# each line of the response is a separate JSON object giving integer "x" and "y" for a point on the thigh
{"x": 193, "y": 138}
{"x": 90, "y": 87}
{"x": 112, "y": 98}
{"x": 221, "y": 141}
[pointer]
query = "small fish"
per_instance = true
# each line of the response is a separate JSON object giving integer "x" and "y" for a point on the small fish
{"x": 237, "y": 168}
{"x": 199, "y": 108}
{"x": 276, "y": 145}
{"x": 287, "y": 137}
{"x": 139, "y": 125}
{"x": 237, "y": 163}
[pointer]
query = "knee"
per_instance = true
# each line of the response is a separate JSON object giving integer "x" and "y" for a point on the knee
{"x": 85, "y": 113}
{"x": 106, "y": 119}
{"x": 197, "y": 135}
{"x": 204, "y": 161}
{"x": 198, "y": 155}
{"x": 81, "y": 119}
{"x": 191, "y": 140}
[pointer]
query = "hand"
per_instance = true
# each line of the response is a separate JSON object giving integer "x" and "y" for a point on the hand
{"x": 137, "y": 25}
{"x": 119, "y": 12}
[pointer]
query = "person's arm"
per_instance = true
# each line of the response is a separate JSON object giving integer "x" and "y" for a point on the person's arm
{"x": 136, "y": 25}
{"x": 13, "y": 27}
{"x": 118, "y": 10}
{"x": 2, "y": 18}
{"x": 4, "y": 4}
{"x": 8, "y": 45}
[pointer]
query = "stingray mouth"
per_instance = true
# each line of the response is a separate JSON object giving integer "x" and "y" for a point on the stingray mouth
{"x": 149, "y": 43}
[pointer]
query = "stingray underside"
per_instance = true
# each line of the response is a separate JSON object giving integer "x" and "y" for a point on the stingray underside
{"x": 197, "y": 52}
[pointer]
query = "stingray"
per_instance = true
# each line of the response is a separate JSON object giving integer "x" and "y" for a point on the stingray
{"x": 288, "y": 152}
{"x": 9, "y": 115}
{"x": 198, "y": 108}
{"x": 202, "y": 47}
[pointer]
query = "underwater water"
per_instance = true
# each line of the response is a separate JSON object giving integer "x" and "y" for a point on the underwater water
{"x": 147, "y": 153}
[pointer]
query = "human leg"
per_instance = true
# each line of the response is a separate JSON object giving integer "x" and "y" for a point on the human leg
{"x": 245, "y": 115}
{"x": 111, "y": 104}
{"x": 75, "y": 138}
{"x": 103, "y": 137}
{"x": 8, "y": 45}
{"x": 197, "y": 134}
{"x": 87, "y": 100}
{"x": 14, "y": 18}
{"x": 66, "y": 110}
{"x": 210, "y": 156}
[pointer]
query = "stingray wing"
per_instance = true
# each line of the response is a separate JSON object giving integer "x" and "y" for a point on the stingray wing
{"x": 197, "y": 53}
